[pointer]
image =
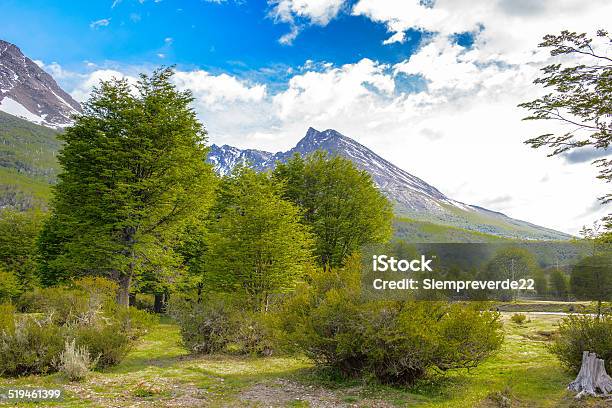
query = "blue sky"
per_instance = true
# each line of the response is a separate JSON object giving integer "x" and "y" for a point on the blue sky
{"x": 239, "y": 37}
{"x": 431, "y": 85}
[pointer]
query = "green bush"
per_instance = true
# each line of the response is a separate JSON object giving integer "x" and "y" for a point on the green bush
{"x": 84, "y": 313}
{"x": 99, "y": 291}
{"x": 134, "y": 322}
{"x": 330, "y": 321}
{"x": 518, "y": 318}
{"x": 220, "y": 324}
{"x": 33, "y": 348}
{"x": 64, "y": 306}
{"x": 9, "y": 286}
{"x": 106, "y": 343}
{"x": 144, "y": 301}
{"x": 578, "y": 333}
{"x": 205, "y": 327}
{"x": 7, "y": 318}
{"x": 250, "y": 334}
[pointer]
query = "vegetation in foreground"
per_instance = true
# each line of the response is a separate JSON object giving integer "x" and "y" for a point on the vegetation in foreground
{"x": 159, "y": 372}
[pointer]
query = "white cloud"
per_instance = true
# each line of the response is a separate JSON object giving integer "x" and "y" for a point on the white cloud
{"x": 211, "y": 90}
{"x": 318, "y": 12}
{"x": 399, "y": 37}
{"x": 508, "y": 29}
{"x": 99, "y": 23}
{"x": 87, "y": 82}
{"x": 315, "y": 96}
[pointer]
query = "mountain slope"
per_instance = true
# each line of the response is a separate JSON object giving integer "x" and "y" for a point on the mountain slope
{"x": 28, "y": 164}
{"x": 411, "y": 196}
{"x": 30, "y": 93}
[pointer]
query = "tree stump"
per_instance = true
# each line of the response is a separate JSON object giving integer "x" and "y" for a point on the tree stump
{"x": 592, "y": 379}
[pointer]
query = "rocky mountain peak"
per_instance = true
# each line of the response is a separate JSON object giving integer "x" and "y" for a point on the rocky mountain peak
{"x": 411, "y": 196}
{"x": 27, "y": 91}
{"x": 314, "y": 138}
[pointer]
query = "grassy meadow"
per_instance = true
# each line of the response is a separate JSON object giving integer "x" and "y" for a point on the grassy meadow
{"x": 159, "y": 372}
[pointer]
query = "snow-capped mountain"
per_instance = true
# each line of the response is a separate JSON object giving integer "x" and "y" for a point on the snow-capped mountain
{"x": 412, "y": 197}
{"x": 29, "y": 92}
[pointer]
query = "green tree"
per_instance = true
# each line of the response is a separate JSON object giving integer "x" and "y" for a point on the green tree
{"x": 134, "y": 173}
{"x": 540, "y": 282}
{"x": 9, "y": 287}
{"x": 256, "y": 242}
{"x": 511, "y": 263}
{"x": 580, "y": 98}
{"x": 18, "y": 252}
{"x": 340, "y": 202}
{"x": 559, "y": 284}
{"x": 591, "y": 279}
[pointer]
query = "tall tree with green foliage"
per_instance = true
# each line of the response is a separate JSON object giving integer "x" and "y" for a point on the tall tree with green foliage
{"x": 591, "y": 279}
{"x": 256, "y": 243}
{"x": 18, "y": 253}
{"x": 512, "y": 263}
{"x": 559, "y": 284}
{"x": 133, "y": 174}
{"x": 540, "y": 282}
{"x": 341, "y": 205}
{"x": 580, "y": 98}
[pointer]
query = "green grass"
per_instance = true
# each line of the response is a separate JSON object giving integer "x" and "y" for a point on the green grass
{"x": 159, "y": 371}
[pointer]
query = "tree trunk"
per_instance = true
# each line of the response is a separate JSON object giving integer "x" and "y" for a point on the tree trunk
{"x": 592, "y": 379}
{"x": 123, "y": 296}
{"x": 200, "y": 286}
{"x": 158, "y": 305}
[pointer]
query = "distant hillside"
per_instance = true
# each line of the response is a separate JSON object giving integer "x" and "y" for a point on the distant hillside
{"x": 428, "y": 232}
{"x": 28, "y": 163}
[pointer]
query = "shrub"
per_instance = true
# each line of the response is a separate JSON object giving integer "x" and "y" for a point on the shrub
{"x": 578, "y": 333}
{"x": 249, "y": 334}
{"x": 329, "y": 320}
{"x": 99, "y": 291}
{"x": 33, "y": 348}
{"x": 64, "y": 306}
{"x": 84, "y": 313}
{"x": 75, "y": 362}
{"x": 518, "y": 318}
{"x": 7, "y": 318}
{"x": 9, "y": 286}
{"x": 106, "y": 343}
{"x": 221, "y": 324}
{"x": 133, "y": 322}
{"x": 145, "y": 301}
{"x": 205, "y": 327}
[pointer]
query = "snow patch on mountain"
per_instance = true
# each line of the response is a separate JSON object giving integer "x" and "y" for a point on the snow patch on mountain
{"x": 14, "y": 108}
{"x": 31, "y": 92}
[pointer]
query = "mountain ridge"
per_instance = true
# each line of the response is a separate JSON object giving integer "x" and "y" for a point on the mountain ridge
{"x": 27, "y": 91}
{"x": 411, "y": 196}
